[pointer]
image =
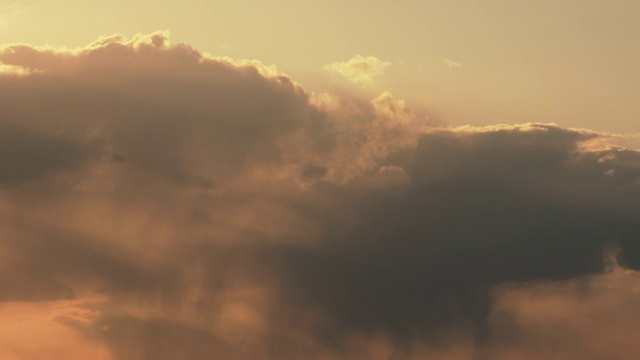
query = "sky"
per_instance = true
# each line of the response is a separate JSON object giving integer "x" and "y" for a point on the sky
{"x": 303, "y": 180}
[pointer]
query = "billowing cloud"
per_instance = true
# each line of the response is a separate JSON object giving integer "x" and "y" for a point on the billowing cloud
{"x": 160, "y": 203}
{"x": 362, "y": 70}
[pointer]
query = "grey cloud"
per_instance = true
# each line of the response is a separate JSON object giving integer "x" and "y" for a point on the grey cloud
{"x": 480, "y": 209}
{"x": 29, "y": 156}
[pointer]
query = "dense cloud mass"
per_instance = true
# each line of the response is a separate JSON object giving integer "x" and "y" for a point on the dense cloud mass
{"x": 159, "y": 203}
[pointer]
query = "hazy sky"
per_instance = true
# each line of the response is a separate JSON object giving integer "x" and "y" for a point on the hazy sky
{"x": 569, "y": 62}
{"x": 410, "y": 181}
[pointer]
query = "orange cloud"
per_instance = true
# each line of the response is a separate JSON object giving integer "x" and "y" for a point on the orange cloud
{"x": 31, "y": 331}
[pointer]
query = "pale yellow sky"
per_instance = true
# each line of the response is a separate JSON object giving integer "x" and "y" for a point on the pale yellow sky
{"x": 464, "y": 62}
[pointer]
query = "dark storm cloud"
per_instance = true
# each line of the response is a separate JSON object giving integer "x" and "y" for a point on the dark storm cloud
{"x": 480, "y": 209}
{"x": 28, "y": 156}
{"x": 219, "y": 209}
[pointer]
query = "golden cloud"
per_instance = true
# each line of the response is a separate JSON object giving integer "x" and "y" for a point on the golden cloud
{"x": 362, "y": 70}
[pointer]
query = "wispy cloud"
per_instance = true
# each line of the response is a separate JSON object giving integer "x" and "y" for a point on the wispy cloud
{"x": 452, "y": 64}
{"x": 360, "y": 69}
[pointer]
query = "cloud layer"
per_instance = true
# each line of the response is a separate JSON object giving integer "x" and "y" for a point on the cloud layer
{"x": 198, "y": 206}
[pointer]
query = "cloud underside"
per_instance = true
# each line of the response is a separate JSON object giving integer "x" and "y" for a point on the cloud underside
{"x": 157, "y": 203}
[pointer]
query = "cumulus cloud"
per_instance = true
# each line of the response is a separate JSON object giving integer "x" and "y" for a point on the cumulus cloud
{"x": 362, "y": 70}
{"x": 160, "y": 203}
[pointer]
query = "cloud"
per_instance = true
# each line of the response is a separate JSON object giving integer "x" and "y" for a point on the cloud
{"x": 360, "y": 69}
{"x": 566, "y": 319}
{"x": 14, "y": 70}
{"x": 481, "y": 208}
{"x": 214, "y": 206}
{"x": 52, "y": 323}
{"x": 452, "y": 64}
